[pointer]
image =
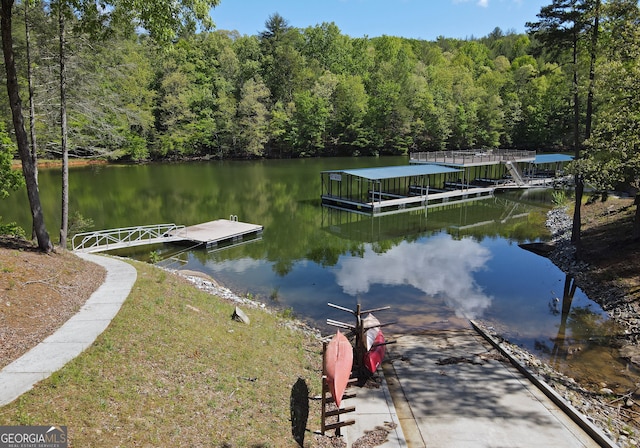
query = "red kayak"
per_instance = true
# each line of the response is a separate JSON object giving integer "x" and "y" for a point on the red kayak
{"x": 338, "y": 362}
{"x": 375, "y": 355}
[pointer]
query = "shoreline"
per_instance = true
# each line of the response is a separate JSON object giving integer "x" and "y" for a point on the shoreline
{"x": 610, "y": 297}
{"x": 207, "y": 284}
{"x": 16, "y": 164}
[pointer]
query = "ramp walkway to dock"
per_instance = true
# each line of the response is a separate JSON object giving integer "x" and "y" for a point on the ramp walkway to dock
{"x": 452, "y": 388}
{"x": 209, "y": 234}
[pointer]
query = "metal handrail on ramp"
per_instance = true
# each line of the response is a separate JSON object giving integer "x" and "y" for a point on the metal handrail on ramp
{"x": 111, "y": 239}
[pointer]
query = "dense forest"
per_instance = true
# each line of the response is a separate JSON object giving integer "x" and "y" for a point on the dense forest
{"x": 291, "y": 92}
{"x": 132, "y": 80}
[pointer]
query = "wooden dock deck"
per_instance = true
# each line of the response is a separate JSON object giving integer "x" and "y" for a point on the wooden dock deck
{"x": 215, "y": 232}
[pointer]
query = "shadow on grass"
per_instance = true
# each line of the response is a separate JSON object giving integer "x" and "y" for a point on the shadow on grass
{"x": 299, "y": 406}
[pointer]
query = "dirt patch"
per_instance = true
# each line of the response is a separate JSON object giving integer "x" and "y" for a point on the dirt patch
{"x": 38, "y": 293}
{"x": 607, "y": 245}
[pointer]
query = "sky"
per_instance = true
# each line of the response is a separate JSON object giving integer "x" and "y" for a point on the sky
{"x": 417, "y": 19}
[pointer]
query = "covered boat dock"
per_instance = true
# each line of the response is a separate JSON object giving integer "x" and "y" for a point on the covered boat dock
{"x": 434, "y": 178}
{"x": 548, "y": 166}
{"x": 502, "y": 169}
{"x": 395, "y": 189}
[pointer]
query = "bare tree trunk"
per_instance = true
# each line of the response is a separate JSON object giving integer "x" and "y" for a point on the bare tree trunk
{"x": 28, "y": 169}
{"x": 592, "y": 70}
{"x": 578, "y": 179}
{"x": 63, "y": 130}
{"x": 32, "y": 107}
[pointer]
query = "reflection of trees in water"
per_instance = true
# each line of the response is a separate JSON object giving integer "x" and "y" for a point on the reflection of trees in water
{"x": 567, "y": 298}
{"x": 584, "y": 326}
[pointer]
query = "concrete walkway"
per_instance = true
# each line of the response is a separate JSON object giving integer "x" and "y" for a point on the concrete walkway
{"x": 76, "y": 335}
{"x": 449, "y": 389}
{"x": 375, "y": 410}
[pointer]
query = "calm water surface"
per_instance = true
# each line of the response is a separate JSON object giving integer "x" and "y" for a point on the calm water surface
{"x": 434, "y": 268}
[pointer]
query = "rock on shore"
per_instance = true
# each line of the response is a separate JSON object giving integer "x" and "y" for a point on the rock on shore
{"x": 209, "y": 285}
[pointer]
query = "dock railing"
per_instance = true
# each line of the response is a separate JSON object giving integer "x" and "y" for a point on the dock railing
{"x": 471, "y": 157}
{"x": 126, "y": 236}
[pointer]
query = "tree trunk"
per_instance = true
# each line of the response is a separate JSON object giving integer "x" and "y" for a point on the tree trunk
{"x": 28, "y": 168}
{"x": 578, "y": 179}
{"x": 577, "y": 217}
{"x": 592, "y": 71}
{"x": 63, "y": 131}
{"x": 32, "y": 107}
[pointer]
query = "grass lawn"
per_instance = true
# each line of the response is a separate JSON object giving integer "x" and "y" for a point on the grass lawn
{"x": 173, "y": 369}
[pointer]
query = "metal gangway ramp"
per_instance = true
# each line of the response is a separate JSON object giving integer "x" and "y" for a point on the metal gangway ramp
{"x": 111, "y": 239}
{"x": 515, "y": 172}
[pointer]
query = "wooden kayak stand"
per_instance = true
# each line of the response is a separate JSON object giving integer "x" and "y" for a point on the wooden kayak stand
{"x": 358, "y": 331}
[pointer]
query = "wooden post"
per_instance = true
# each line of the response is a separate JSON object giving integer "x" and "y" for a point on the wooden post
{"x": 361, "y": 344}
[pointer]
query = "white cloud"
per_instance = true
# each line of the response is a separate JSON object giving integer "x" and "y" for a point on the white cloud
{"x": 441, "y": 267}
{"x": 483, "y": 3}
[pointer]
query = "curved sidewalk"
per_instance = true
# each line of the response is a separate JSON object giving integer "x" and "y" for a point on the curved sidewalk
{"x": 76, "y": 335}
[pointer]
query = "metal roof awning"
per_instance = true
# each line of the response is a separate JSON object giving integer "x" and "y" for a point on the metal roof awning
{"x": 552, "y": 158}
{"x": 390, "y": 172}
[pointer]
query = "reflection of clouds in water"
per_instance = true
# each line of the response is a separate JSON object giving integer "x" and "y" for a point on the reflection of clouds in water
{"x": 238, "y": 266}
{"x": 439, "y": 267}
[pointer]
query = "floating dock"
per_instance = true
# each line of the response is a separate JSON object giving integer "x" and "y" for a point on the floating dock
{"x": 219, "y": 231}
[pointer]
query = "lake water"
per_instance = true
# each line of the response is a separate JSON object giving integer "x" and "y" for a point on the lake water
{"x": 434, "y": 268}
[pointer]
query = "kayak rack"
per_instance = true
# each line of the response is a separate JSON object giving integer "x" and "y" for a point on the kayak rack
{"x": 358, "y": 331}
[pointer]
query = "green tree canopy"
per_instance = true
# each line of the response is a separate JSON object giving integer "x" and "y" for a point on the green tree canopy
{"x": 10, "y": 179}
{"x": 613, "y": 152}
